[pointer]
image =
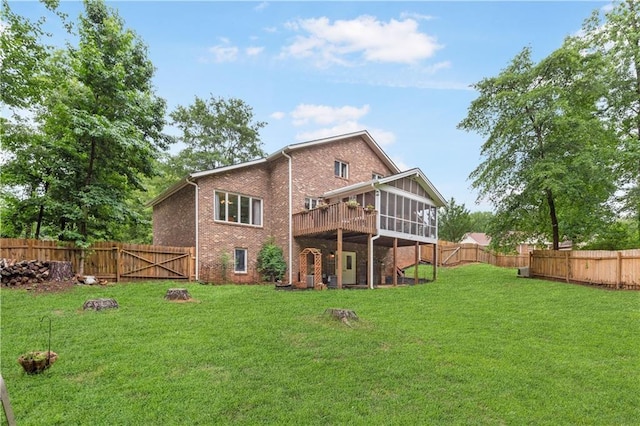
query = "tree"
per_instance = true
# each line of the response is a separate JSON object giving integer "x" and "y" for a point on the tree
{"x": 453, "y": 222}
{"x": 216, "y": 132}
{"x": 548, "y": 159}
{"x": 100, "y": 126}
{"x": 23, "y": 57}
{"x": 480, "y": 221}
{"x": 616, "y": 36}
{"x": 271, "y": 263}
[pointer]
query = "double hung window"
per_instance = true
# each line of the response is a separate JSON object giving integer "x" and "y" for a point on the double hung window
{"x": 341, "y": 169}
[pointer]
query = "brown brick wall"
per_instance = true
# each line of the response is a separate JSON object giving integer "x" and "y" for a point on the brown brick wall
{"x": 174, "y": 219}
{"x": 313, "y": 168}
{"x": 218, "y": 240}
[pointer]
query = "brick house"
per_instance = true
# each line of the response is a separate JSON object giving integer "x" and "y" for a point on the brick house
{"x": 312, "y": 199}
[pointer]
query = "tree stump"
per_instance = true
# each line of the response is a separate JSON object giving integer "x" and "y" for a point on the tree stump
{"x": 99, "y": 304}
{"x": 343, "y": 315}
{"x": 60, "y": 271}
{"x": 177, "y": 294}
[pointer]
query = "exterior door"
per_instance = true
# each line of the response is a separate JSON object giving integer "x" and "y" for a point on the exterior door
{"x": 348, "y": 267}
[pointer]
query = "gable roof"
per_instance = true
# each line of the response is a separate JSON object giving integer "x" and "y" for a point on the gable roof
{"x": 479, "y": 238}
{"x": 363, "y": 134}
{"x": 422, "y": 180}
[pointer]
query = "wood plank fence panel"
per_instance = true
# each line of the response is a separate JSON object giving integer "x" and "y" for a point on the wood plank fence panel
{"x": 614, "y": 269}
{"x": 112, "y": 261}
{"x": 451, "y": 254}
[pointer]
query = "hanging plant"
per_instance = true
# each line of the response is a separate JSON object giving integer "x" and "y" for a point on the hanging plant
{"x": 37, "y": 361}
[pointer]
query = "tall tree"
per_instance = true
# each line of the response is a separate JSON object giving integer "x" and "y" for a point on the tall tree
{"x": 616, "y": 36}
{"x": 453, "y": 222}
{"x": 28, "y": 165}
{"x": 110, "y": 120}
{"x": 100, "y": 125}
{"x": 547, "y": 165}
{"x": 216, "y": 132}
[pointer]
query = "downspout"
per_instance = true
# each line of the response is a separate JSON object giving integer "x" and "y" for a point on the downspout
{"x": 375, "y": 237}
{"x": 290, "y": 222}
{"x": 197, "y": 231}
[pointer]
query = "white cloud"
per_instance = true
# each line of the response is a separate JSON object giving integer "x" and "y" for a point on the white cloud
{"x": 254, "y": 50}
{"x": 325, "y": 115}
{"x": 417, "y": 16}
{"x": 278, "y": 115}
{"x": 364, "y": 38}
{"x": 383, "y": 137}
{"x": 607, "y": 8}
{"x": 335, "y": 121}
{"x": 262, "y": 6}
{"x": 400, "y": 163}
{"x": 339, "y": 129}
{"x": 224, "y": 52}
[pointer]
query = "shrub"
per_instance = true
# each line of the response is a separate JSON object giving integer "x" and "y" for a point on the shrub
{"x": 271, "y": 264}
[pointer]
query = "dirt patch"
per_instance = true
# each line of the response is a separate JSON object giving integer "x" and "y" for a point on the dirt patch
{"x": 45, "y": 287}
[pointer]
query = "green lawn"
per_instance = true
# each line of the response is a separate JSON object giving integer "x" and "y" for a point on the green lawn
{"x": 478, "y": 346}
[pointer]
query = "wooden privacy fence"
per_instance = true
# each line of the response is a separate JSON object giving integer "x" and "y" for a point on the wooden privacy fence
{"x": 111, "y": 261}
{"x": 451, "y": 254}
{"x": 613, "y": 269}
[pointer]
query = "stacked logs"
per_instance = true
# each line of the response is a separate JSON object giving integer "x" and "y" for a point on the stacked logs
{"x": 25, "y": 272}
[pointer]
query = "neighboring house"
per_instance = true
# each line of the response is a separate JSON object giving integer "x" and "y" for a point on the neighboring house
{"x": 302, "y": 197}
{"x": 479, "y": 238}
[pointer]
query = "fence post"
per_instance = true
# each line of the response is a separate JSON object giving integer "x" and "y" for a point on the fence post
{"x": 117, "y": 263}
{"x": 566, "y": 258}
{"x": 619, "y": 274}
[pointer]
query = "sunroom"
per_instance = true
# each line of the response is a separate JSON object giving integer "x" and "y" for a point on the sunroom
{"x": 393, "y": 211}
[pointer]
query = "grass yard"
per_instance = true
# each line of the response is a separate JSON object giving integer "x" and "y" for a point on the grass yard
{"x": 479, "y": 346}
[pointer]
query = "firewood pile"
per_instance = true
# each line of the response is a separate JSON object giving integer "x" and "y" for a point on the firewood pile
{"x": 26, "y": 272}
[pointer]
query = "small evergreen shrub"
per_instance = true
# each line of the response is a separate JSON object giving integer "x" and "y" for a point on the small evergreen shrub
{"x": 271, "y": 263}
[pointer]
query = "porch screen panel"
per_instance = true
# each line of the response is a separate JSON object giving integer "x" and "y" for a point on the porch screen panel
{"x": 407, "y": 215}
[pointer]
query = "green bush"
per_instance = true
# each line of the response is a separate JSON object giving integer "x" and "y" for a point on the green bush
{"x": 271, "y": 264}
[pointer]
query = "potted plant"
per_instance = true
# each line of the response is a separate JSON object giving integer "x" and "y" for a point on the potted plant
{"x": 322, "y": 205}
{"x": 352, "y": 204}
{"x": 370, "y": 207}
{"x": 35, "y": 362}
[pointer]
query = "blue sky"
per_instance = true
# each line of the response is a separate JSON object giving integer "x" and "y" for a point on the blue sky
{"x": 401, "y": 70}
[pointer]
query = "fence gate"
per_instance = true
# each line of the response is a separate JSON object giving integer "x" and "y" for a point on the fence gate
{"x": 156, "y": 263}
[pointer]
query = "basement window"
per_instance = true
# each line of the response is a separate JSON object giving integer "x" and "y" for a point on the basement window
{"x": 240, "y": 261}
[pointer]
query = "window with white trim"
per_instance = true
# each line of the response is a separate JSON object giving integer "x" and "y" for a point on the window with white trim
{"x": 341, "y": 169}
{"x": 312, "y": 203}
{"x": 240, "y": 261}
{"x": 237, "y": 208}
{"x": 376, "y": 176}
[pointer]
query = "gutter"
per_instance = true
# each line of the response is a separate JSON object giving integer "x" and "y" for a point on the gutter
{"x": 197, "y": 230}
{"x": 290, "y": 221}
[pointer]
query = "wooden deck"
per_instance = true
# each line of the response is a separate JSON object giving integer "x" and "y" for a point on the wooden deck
{"x": 327, "y": 220}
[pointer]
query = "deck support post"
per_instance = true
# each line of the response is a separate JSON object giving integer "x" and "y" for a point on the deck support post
{"x": 339, "y": 258}
{"x": 417, "y": 263}
{"x": 395, "y": 262}
{"x": 435, "y": 261}
{"x": 370, "y": 261}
